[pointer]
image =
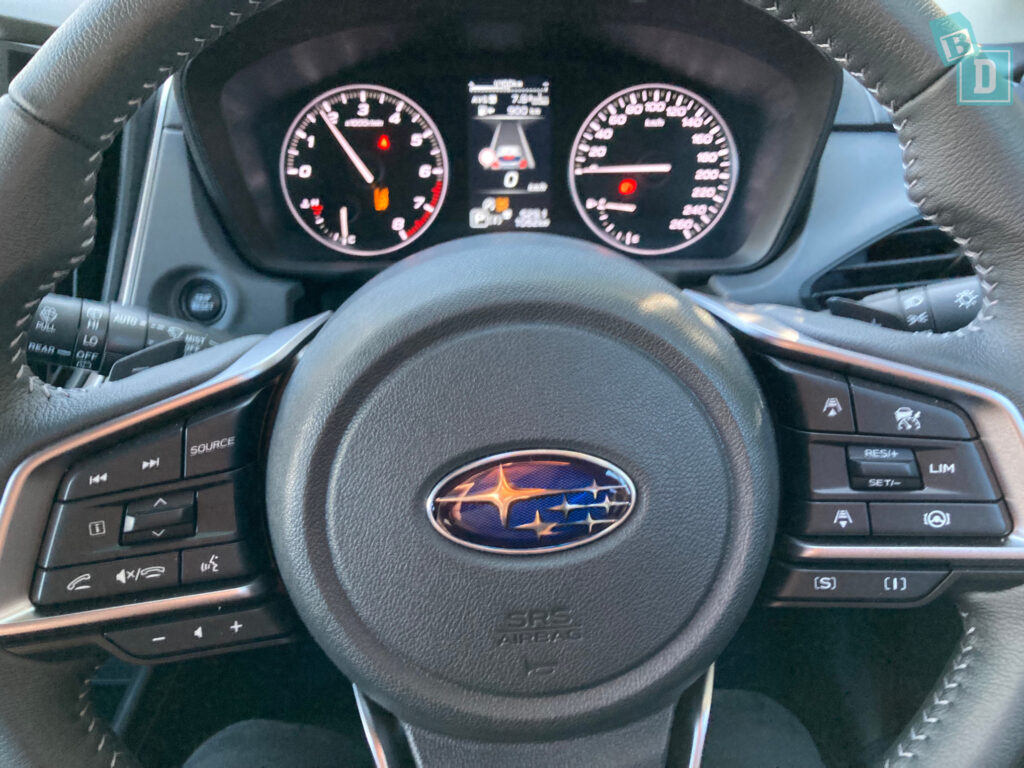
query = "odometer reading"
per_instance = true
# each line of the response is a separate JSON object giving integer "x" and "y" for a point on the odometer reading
{"x": 652, "y": 169}
{"x": 364, "y": 170}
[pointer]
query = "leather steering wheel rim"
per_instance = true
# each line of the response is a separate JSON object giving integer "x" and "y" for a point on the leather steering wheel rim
{"x": 964, "y": 170}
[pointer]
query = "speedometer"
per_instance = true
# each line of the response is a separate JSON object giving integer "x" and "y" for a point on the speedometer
{"x": 653, "y": 169}
{"x": 364, "y": 170}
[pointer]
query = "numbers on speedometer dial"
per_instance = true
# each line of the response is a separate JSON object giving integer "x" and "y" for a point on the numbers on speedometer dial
{"x": 364, "y": 170}
{"x": 652, "y": 169}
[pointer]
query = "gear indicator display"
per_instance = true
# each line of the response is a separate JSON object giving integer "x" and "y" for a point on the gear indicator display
{"x": 509, "y": 154}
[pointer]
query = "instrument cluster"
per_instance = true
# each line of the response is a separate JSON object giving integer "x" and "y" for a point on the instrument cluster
{"x": 347, "y": 148}
{"x": 365, "y": 170}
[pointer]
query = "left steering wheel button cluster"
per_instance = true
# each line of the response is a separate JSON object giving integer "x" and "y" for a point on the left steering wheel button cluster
{"x": 162, "y": 509}
{"x": 98, "y": 580}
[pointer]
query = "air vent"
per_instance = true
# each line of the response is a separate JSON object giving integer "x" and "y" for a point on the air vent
{"x": 914, "y": 255}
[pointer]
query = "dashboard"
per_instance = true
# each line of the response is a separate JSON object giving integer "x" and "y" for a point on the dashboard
{"x": 675, "y": 133}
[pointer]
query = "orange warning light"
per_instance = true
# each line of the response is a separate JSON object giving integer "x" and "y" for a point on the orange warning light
{"x": 381, "y": 198}
{"x": 500, "y": 204}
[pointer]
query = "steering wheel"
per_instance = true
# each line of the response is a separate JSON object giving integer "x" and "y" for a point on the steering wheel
{"x": 522, "y": 346}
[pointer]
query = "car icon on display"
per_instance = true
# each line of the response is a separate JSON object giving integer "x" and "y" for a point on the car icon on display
{"x": 508, "y": 150}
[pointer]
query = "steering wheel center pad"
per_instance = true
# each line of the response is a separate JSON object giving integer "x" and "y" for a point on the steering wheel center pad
{"x": 521, "y": 342}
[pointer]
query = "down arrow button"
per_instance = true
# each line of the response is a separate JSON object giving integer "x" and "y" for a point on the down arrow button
{"x": 224, "y": 438}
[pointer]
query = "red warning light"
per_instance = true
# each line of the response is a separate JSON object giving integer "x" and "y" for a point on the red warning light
{"x": 383, "y": 142}
{"x": 627, "y": 186}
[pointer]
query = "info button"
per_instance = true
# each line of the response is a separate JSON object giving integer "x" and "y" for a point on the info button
{"x": 224, "y": 438}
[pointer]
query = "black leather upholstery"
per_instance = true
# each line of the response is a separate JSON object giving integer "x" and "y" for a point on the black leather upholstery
{"x": 965, "y": 169}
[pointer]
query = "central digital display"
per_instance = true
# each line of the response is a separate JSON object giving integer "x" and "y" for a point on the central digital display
{"x": 509, "y": 154}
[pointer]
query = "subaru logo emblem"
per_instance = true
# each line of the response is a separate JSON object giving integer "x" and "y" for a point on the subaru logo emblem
{"x": 531, "y": 502}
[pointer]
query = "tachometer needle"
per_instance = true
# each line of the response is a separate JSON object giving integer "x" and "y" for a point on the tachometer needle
{"x": 356, "y": 160}
{"x": 639, "y": 168}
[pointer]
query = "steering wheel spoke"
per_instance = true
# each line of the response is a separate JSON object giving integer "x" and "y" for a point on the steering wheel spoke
{"x": 113, "y": 534}
{"x": 900, "y": 483}
{"x": 675, "y": 733}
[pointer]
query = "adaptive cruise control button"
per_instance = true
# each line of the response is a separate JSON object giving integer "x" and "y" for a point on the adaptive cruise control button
{"x": 841, "y": 585}
{"x": 933, "y": 520}
{"x": 888, "y": 411}
{"x": 224, "y": 438}
{"x": 145, "y": 460}
{"x": 834, "y": 518}
{"x": 88, "y": 582}
{"x": 811, "y": 399}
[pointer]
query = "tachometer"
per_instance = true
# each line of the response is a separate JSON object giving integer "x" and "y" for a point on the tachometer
{"x": 652, "y": 169}
{"x": 364, "y": 170}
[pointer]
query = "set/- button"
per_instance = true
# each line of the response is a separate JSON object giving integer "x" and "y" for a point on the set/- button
{"x": 882, "y": 468}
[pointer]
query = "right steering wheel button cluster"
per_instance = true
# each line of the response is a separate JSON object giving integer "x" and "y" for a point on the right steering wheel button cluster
{"x": 876, "y": 464}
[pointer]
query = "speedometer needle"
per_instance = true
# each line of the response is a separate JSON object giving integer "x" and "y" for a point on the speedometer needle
{"x": 639, "y": 168}
{"x": 356, "y": 160}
